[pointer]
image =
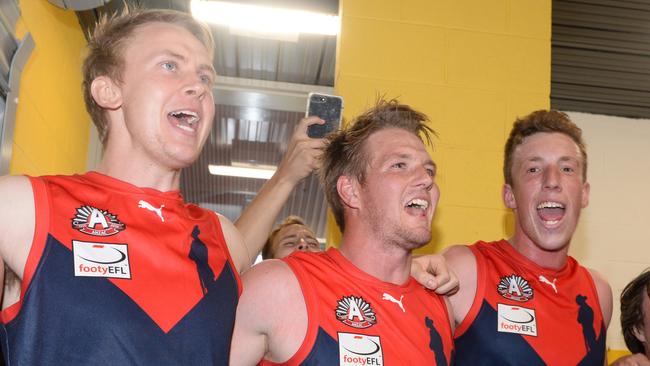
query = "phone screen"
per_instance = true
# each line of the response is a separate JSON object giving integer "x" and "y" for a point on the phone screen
{"x": 328, "y": 108}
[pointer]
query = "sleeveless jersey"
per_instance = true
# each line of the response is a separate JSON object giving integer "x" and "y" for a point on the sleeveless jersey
{"x": 121, "y": 275}
{"x": 356, "y": 319}
{"x": 524, "y": 314}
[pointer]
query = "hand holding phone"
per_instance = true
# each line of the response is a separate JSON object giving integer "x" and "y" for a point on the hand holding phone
{"x": 326, "y": 107}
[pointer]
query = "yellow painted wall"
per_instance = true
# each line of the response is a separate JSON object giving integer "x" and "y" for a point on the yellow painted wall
{"x": 472, "y": 66}
{"x": 51, "y": 133}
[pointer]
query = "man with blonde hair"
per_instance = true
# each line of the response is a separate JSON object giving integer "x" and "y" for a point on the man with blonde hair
{"x": 112, "y": 266}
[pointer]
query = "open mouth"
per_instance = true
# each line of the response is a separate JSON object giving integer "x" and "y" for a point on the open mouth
{"x": 550, "y": 212}
{"x": 185, "y": 120}
{"x": 418, "y": 206}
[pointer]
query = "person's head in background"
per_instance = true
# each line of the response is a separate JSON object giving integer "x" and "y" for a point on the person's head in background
{"x": 291, "y": 235}
{"x": 635, "y": 314}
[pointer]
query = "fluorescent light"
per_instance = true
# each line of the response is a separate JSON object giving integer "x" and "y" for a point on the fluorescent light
{"x": 264, "y": 19}
{"x": 244, "y": 172}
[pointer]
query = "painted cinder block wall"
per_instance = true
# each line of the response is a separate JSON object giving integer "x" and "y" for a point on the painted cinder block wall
{"x": 472, "y": 66}
{"x": 51, "y": 133}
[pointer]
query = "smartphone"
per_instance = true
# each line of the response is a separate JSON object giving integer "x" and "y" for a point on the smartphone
{"x": 328, "y": 108}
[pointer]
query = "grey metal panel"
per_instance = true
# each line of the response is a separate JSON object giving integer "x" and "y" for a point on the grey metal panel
{"x": 7, "y": 48}
{"x": 9, "y": 121}
{"x": 328, "y": 64}
{"x": 299, "y": 62}
{"x": 601, "y": 57}
{"x": 79, "y": 4}
{"x": 257, "y": 58}
{"x": 9, "y": 14}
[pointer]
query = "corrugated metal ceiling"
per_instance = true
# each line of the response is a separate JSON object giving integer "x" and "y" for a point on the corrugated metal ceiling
{"x": 601, "y": 57}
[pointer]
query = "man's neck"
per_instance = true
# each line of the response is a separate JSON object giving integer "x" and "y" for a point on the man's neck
{"x": 386, "y": 262}
{"x": 140, "y": 174}
{"x": 543, "y": 258}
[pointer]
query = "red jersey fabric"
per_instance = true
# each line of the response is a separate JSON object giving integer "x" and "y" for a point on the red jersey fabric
{"x": 356, "y": 319}
{"x": 119, "y": 274}
{"x": 524, "y": 314}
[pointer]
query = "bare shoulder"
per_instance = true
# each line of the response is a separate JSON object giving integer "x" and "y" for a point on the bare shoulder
{"x": 272, "y": 286}
{"x": 269, "y": 272}
{"x": 459, "y": 254}
{"x": 17, "y": 208}
{"x": 236, "y": 245}
{"x": 271, "y": 317}
{"x": 604, "y": 294}
{"x": 462, "y": 261}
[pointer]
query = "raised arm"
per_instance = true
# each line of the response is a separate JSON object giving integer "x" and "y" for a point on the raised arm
{"x": 17, "y": 215}
{"x": 301, "y": 158}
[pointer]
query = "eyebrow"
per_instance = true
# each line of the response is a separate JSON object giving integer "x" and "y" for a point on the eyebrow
{"x": 203, "y": 67}
{"x": 562, "y": 159}
{"x": 411, "y": 157}
{"x": 309, "y": 237}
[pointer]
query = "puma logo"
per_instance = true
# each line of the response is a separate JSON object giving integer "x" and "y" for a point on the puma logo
{"x": 148, "y": 206}
{"x": 543, "y": 279}
{"x": 392, "y": 299}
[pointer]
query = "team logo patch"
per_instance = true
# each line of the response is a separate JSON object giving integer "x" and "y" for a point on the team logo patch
{"x": 360, "y": 350}
{"x": 101, "y": 260}
{"x": 94, "y": 221}
{"x": 515, "y": 287}
{"x": 516, "y": 319}
{"x": 355, "y": 312}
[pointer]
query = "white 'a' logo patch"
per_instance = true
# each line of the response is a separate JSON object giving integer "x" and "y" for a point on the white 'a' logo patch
{"x": 97, "y": 222}
{"x": 515, "y": 287}
{"x": 355, "y": 312}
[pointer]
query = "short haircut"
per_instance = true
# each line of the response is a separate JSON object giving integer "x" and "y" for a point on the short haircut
{"x": 268, "y": 252}
{"x": 108, "y": 41}
{"x": 632, "y": 310}
{"x": 345, "y": 155}
{"x": 542, "y": 121}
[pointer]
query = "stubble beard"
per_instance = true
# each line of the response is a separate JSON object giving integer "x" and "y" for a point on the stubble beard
{"x": 391, "y": 234}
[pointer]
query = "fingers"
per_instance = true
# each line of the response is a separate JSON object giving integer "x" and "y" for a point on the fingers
{"x": 301, "y": 127}
{"x": 449, "y": 287}
{"x": 432, "y": 272}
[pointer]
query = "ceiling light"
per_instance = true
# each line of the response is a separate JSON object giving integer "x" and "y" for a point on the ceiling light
{"x": 244, "y": 172}
{"x": 264, "y": 19}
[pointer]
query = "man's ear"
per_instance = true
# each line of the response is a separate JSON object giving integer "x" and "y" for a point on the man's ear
{"x": 348, "y": 189}
{"x": 106, "y": 93}
{"x": 585, "y": 194}
{"x": 639, "y": 334}
{"x": 509, "y": 196}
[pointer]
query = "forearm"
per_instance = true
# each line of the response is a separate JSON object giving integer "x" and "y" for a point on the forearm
{"x": 256, "y": 222}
